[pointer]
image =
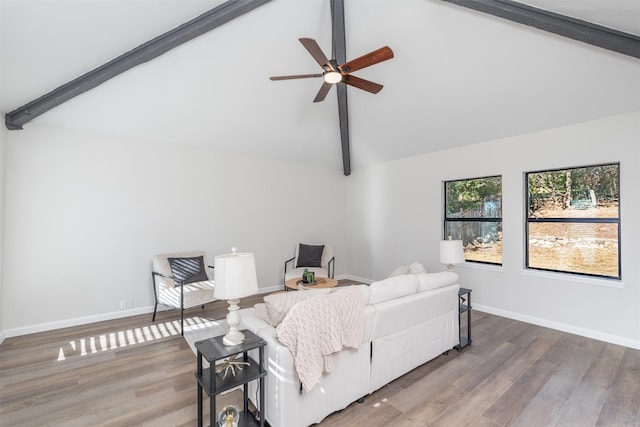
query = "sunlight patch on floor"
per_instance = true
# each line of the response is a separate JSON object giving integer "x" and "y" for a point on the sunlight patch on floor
{"x": 128, "y": 337}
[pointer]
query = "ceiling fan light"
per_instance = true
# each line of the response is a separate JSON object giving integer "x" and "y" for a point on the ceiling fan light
{"x": 332, "y": 77}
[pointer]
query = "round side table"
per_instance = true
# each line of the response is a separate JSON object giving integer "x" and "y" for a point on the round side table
{"x": 321, "y": 282}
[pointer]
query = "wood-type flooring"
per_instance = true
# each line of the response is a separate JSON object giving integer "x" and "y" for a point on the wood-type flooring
{"x": 134, "y": 372}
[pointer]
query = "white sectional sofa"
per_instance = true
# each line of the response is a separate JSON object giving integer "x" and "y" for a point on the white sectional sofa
{"x": 408, "y": 320}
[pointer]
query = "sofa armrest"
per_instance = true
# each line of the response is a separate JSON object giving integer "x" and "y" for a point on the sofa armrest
{"x": 176, "y": 282}
{"x": 155, "y": 273}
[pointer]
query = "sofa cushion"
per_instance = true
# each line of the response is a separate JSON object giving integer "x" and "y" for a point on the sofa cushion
{"x": 260, "y": 310}
{"x": 393, "y": 287}
{"x": 190, "y": 270}
{"x": 309, "y": 255}
{"x": 428, "y": 281}
{"x": 278, "y": 305}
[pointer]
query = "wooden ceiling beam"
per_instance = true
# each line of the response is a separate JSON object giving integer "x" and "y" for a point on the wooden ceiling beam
{"x": 202, "y": 24}
{"x": 587, "y": 32}
{"x": 339, "y": 48}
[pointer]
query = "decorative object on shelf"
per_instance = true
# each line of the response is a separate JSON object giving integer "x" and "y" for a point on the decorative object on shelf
{"x": 451, "y": 252}
{"x": 235, "y": 278}
{"x": 308, "y": 277}
{"x": 230, "y": 364}
{"x": 228, "y": 417}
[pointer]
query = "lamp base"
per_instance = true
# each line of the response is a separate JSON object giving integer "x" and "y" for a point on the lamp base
{"x": 234, "y": 336}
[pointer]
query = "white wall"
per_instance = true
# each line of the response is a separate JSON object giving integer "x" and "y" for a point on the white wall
{"x": 86, "y": 212}
{"x": 394, "y": 213}
{"x": 3, "y": 146}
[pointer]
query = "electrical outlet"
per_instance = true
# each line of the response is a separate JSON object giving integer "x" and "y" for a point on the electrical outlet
{"x": 123, "y": 304}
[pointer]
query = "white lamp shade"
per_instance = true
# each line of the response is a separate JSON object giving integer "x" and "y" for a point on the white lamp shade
{"x": 451, "y": 252}
{"x": 235, "y": 276}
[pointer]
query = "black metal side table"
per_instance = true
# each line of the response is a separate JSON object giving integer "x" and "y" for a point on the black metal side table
{"x": 213, "y": 349}
{"x": 464, "y": 306}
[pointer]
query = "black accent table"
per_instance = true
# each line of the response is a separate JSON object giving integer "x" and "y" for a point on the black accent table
{"x": 213, "y": 349}
{"x": 464, "y": 308}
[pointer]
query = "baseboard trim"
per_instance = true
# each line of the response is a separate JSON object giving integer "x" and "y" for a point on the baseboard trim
{"x": 78, "y": 321}
{"x": 67, "y": 323}
{"x": 354, "y": 278}
{"x": 270, "y": 289}
{"x": 600, "y": 336}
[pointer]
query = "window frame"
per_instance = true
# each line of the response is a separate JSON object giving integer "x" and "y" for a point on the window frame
{"x": 446, "y": 219}
{"x": 572, "y": 220}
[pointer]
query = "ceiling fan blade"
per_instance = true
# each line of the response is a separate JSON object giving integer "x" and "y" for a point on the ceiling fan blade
{"x": 371, "y": 58}
{"x": 362, "y": 83}
{"x": 296, "y": 76}
{"x": 322, "y": 93}
{"x": 312, "y": 46}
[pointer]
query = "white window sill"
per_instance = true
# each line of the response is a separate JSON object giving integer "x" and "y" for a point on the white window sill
{"x": 479, "y": 266}
{"x": 609, "y": 283}
{"x": 597, "y": 281}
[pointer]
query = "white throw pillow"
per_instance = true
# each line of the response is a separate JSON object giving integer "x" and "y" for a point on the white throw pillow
{"x": 430, "y": 281}
{"x": 278, "y": 305}
{"x": 403, "y": 269}
{"x": 416, "y": 268}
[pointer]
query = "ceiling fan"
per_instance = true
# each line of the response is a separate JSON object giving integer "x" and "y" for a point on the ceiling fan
{"x": 334, "y": 73}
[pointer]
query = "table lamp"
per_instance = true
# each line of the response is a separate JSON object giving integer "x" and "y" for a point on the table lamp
{"x": 235, "y": 278}
{"x": 451, "y": 252}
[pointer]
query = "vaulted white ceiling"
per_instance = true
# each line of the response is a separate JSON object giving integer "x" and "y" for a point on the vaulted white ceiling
{"x": 458, "y": 77}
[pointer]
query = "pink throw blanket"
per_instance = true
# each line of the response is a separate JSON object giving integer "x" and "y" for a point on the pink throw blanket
{"x": 315, "y": 329}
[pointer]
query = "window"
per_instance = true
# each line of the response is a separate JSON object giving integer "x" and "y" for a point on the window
{"x": 573, "y": 220}
{"x": 473, "y": 214}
